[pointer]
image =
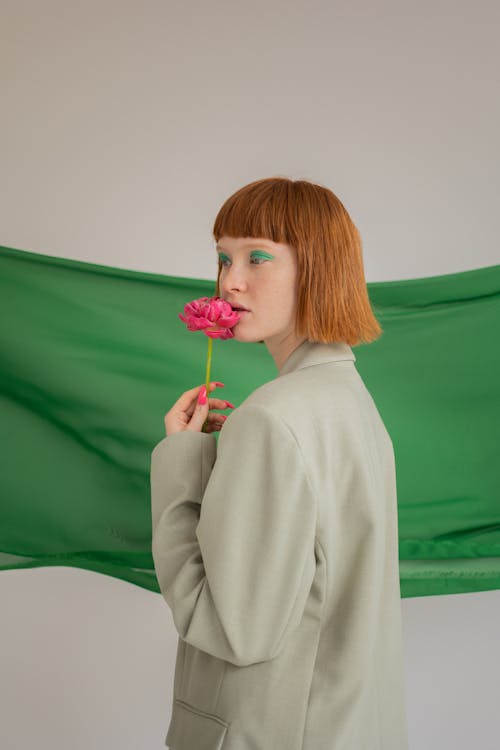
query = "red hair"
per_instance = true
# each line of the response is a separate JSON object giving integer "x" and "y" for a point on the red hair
{"x": 332, "y": 296}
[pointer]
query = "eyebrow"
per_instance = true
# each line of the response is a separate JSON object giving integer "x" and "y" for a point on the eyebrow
{"x": 247, "y": 244}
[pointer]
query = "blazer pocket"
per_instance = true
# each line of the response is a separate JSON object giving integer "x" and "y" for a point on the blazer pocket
{"x": 192, "y": 729}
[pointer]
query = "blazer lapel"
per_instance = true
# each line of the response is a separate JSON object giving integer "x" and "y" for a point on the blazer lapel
{"x": 313, "y": 353}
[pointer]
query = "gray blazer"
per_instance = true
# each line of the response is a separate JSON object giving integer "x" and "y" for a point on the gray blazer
{"x": 277, "y": 552}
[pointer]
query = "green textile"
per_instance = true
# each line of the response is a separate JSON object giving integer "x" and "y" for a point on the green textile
{"x": 92, "y": 357}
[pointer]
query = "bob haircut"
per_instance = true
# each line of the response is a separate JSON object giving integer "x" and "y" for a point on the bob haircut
{"x": 332, "y": 296}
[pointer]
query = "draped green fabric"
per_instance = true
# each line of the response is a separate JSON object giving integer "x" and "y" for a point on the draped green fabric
{"x": 92, "y": 357}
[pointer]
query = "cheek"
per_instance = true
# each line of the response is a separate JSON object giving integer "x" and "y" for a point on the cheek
{"x": 285, "y": 292}
{"x": 278, "y": 292}
{"x": 280, "y": 304}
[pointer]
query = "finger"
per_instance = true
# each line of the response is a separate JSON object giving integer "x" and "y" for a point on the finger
{"x": 215, "y": 422}
{"x": 200, "y": 412}
{"x": 189, "y": 397}
{"x": 215, "y": 418}
{"x": 213, "y": 403}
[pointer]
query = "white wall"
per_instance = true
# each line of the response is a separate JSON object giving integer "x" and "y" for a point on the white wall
{"x": 124, "y": 127}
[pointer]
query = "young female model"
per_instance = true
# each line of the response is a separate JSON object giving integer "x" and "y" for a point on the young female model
{"x": 277, "y": 548}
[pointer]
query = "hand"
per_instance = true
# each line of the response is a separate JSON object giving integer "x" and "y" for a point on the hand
{"x": 188, "y": 414}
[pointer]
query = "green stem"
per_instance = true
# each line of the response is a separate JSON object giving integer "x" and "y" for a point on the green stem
{"x": 207, "y": 375}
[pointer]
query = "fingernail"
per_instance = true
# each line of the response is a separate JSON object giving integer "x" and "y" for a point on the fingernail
{"x": 217, "y": 383}
{"x": 202, "y": 396}
{"x": 230, "y": 404}
{"x": 224, "y": 417}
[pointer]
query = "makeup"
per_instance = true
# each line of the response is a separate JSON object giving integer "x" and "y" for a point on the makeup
{"x": 261, "y": 254}
{"x": 254, "y": 254}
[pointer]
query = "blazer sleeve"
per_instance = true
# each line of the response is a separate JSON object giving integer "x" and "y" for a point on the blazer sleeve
{"x": 233, "y": 535}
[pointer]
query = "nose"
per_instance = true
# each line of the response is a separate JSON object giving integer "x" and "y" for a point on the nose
{"x": 232, "y": 279}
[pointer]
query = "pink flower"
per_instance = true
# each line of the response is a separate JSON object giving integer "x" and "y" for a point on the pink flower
{"x": 212, "y": 315}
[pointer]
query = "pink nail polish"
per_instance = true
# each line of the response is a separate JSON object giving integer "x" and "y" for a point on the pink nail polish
{"x": 217, "y": 383}
{"x": 230, "y": 404}
{"x": 202, "y": 396}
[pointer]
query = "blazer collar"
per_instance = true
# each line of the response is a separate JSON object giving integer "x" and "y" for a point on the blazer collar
{"x": 314, "y": 353}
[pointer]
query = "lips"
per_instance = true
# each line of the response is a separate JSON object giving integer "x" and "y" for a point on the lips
{"x": 239, "y": 307}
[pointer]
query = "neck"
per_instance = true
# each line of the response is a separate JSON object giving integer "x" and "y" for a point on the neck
{"x": 281, "y": 349}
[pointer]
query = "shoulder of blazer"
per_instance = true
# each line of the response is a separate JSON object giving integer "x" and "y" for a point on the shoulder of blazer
{"x": 290, "y": 393}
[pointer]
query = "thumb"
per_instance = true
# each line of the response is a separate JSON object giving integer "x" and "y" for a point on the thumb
{"x": 200, "y": 413}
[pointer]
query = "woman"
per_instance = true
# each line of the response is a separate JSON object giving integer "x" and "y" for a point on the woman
{"x": 277, "y": 549}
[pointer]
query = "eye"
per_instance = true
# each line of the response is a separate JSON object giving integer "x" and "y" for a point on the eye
{"x": 225, "y": 261}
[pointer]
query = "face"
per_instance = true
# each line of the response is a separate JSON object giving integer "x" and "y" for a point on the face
{"x": 260, "y": 275}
